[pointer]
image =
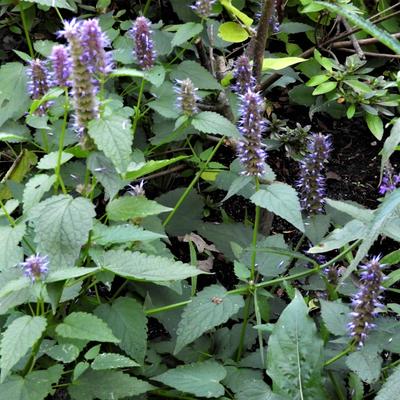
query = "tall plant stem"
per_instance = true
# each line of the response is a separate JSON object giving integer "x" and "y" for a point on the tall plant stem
{"x": 6, "y": 213}
{"x": 137, "y": 111}
{"x": 25, "y": 26}
{"x": 255, "y": 234}
{"x": 244, "y": 327}
{"x": 194, "y": 181}
{"x": 61, "y": 145}
{"x": 343, "y": 353}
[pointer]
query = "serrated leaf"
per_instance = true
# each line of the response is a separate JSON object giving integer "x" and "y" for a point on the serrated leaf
{"x": 112, "y": 361}
{"x": 69, "y": 273}
{"x": 49, "y": 161}
{"x": 130, "y": 207}
{"x": 212, "y": 122}
{"x": 145, "y": 267}
{"x": 186, "y": 32}
{"x": 201, "y": 379}
{"x": 107, "y": 385}
{"x": 294, "y": 355}
{"x": 366, "y": 363}
{"x": 336, "y": 316}
{"x": 85, "y": 326}
{"x": 128, "y": 322}
{"x": 62, "y": 226}
{"x": 35, "y": 188}
{"x": 10, "y": 251}
{"x": 155, "y": 75}
{"x": 282, "y": 200}
{"x": 236, "y": 186}
{"x": 276, "y": 64}
{"x": 255, "y": 389}
{"x": 211, "y": 307}
{"x": 391, "y": 388}
{"x": 18, "y": 339}
{"x": 232, "y": 32}
{"x": 65, "y": 353}
{"x": 113, "y": 136}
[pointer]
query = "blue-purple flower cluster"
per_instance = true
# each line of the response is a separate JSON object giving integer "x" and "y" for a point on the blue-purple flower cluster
{"x": 203, "y": 8}
{"x": 311, "y": 183}
{"x": 367, "y": 300}
{"x": 38, "y": 83}
{"x": 35, "y": 267}
{"x": 61, "y": 66}
{"x": 390, "y": 181}
{"x": 243, "y": 75}
{"x": 186, "y": 97}
{"x": 144, "y": 46}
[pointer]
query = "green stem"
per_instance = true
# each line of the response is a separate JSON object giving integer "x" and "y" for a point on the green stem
{"x": 259, "y": 332}
{"x": 343, "y": 353}
{"x": 61, "y": 145}
{"x": 341, "y": 255}
{"x": 244, "y": 327}
{"x": 255, "y": 234}
{"x": 194, "y": 181}
{"x": 25, "y": 25}
{"x": 146, "y": 7}
{"x": 59, "y": 14}
{"x": 137, "y": 110}
{"x": 174, "y": 306}
{"x": 6, "y": 213}
{"x": 335, "y": 384}
{"x": 169, "y": 395}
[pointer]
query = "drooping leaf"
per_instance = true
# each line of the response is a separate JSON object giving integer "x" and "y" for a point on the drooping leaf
{"x": 10, "y": 251}
{"x": 212, "y": 122}
{"x": 232, "y": 32}
{"x": 49, "y": 161}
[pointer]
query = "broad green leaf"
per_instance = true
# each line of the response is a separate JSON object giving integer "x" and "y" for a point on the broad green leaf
{"x": 18, "y": 339}
{"x": 130, "y": 207}
{"x": 282, "y": 200}
{"x": 201, "y": 378}
{"x": 65, "y": 353}
{"x": 316, "y": 227}
{"x": 113, "y": 136}
{"x": 62, "y": 226}
{"x": 69, "y": 273}
{"x": 200, "y": 77}
{"x": 14, "y": 98}
{"x": 375, "y": 125}
{"x": 128, "y": 322}
{"x": 112, "y": 361}
{"x": 325, "y": 87}
{"x": 54, "y": 3}
{"x": 294, "y": 357}
{"x": 276, "y": 64}
{"x": 255, "y": 390}
{"x": 35, "y": 188}
{"x": 236, "y": 12}
{"x": 49, "y": 161}
{"x": 323, "y": 61}
{"x": 358, "y": 86}
{"x": 186, "y": 32}
{"x": 10, "y": 251}
{"x": 37, "y": 385}
{"x": 391, "y": 388}
{"x": 212, "y": 122}
{"x": 84, "y": 326}
{"x": 155, "y": 75}
{"x": 366, "y": 363}
{"x": 107, "y": 385}
{"x": 211, "y": 307}
{"x": 336, "y": 316}
{"x": 232, "y": 32}
{"x": 236, "y": 186}
{"x": 317, "y": 80}
{"x": 143, "y": 267}
{"x": 14, "y": 285}
{"x": 9, "y": 207}
{"x": 390, "y": 145}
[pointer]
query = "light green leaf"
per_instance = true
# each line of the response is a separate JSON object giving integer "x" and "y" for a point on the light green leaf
{"x": 336, "y": 316}
{"x": 232, "y": 32}
{"x": 62, "y": 226}
{"x": 112, "y": 361}
{"x": 236, "y": 12}
{"x": 294, "y": 357}
{"x": 276, "y": 64}
{"x": 49, "y": 161}
{"x": 186, "y": 32}
{"x": 391, "y": 388}
{"x": 359, "y": 87}
{"x": 390, "y": 145}
{"x": 366, "y": 363}
{"x": 128, "y": 322}
{"x": 85, "y": 326}
{"x": 325, "y": 87}
{"x": 145, "y": 267}
{"x": 212, "y": 122}
{"x": 155, "y": 75}
{"x": 69, "y": 273}
{"x": 35, "y": 188}
{"x": 18, "y": 339}
{"x": 201, "y": 378}
{"x": 133, "y": 73}
{"x": 356, "y": 387}
{"x": 10, "y": 251}
{"x": 375, "y": 125}
{"x": 211, "y": 307}
{"x": 113, "y": 136}
{"x": 107, "y": 385}
{"x": 64, "y": 353}
{"x": 282, "y": 200}
{"x": 317, "y": 80}
{"x": 54, "y": 3}
{"x": 129, "y": 207}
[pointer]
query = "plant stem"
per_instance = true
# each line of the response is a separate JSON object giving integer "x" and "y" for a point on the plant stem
{"x": 27, "y": 36}
{"x": 244, "y": 327}
{"x": 194, "y": 181}
{"x": 346, "y": 351}
{"x": 61, "y": 144}
{"x": 169, "y": 395}
{"x": 6, "y": 213}
{"x": 174, "y": 306}
{"x": 137, "y": 111}
{"x": 255, "y": 234}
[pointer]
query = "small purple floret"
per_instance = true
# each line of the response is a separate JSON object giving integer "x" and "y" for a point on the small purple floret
{"x": 144, "y": 50}
{"x": 61, "y": 66}
{"x": 390, "y": 181}
{"x": 243, "y": 75}
{"x": 35, "y": 267}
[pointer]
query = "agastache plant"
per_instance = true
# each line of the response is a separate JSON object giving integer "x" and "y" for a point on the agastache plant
{"x": 367, "y": 300}
{"x": 203, "y": 8}
{"x": 187, "y": 97}
{"x": 390, "y": 181}
{"x": 61, "y": 66}
{"x": 144, "y": 50}
{"x": 311, "y": 183}
{"x": 251, "y": 125}
{"x": 38, "y": 83}
{"x": 243, "y": 74}
{"x": 35, "y": 267}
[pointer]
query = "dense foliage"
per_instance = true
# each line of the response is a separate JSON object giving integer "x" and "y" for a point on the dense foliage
{"x": 169, "y": 226}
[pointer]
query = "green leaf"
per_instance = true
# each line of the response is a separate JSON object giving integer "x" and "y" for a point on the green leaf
{"x": 112, "y": 361}
{"x": 145, "y": 267}
{"x": 69, "y": 273}
{"x": 128, "y": 322}
{"x": 294, "y": 357}
{"x": 390, "y": 145}
{"x": 212, "y": 122}
{"x": 375, "y": 125}
{"x": 18, "y": 339}
{"x": 366, "y": 25}
{"x": 246, "y": 20}
{"x": 336, "y": 316}
{"x": 65, "y": 353}
{"x": 49, "y": 161}
{"x": 84, "y": 326}
{"x": 356, "y": 387}
{"x": 107, "y": 385}
{"x": 54, "y": 3}
{"x": 276, "y": 64}
{"x": 236, "y": 186}
{"x": 14, "y": 97}
{"x": 282, "y": 200}
{"x": 211, "y": 307}
{"x": 232, "y": 32}
{"x": 255, "y": 390}
{"x": 317, "y": 80}
{"x": 133, "y": 73}
{"x": 324, "y": 88}
{"x": 35, "y": 188}
{"x": 366, "y": 363}
{"x": 391, "y": 388}
{"x": 113, "y": 136}
{"x": 62, "y": 226}
{"x": 186, "y": 32}
{"x": 10, "y": 251}
{"x": 34, "y": 386}
{"x": 359, "y": 87}
{"x": 201, "y": 378}
{"x": 155, "y": 75}
{"x": 129, "y": 207}
{"x": 351, "y": 111}
{"x": 200, "y": 77}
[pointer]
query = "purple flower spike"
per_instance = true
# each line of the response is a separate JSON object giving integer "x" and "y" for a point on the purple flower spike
{"x": 311, "y": 183}
{"x": 187, "y": 97}
{"x": 243, "y": 75}
{"x": 144, "y": 51}
{"x": 366, "y": 302}
{"x": 93, "y": 42}
{"x": 251, "y": 125}
{"x": 390, "y": 181}
{"x": 38, "y": 83}
{"x": 203, "y": 8}
{"x": 35, "y": 267}
{"x": 61, "y": 65}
